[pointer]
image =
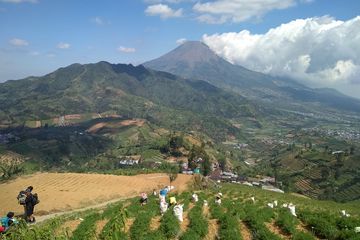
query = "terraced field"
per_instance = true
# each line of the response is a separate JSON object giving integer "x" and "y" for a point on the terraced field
{"x": 66, "y": 191}
{"x": 238, "y": 218}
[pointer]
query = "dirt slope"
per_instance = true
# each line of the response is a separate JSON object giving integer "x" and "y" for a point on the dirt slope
{"x": 66, "y": 191}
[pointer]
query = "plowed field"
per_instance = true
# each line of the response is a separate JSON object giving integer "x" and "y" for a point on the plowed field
{"x": 67, "y": 191}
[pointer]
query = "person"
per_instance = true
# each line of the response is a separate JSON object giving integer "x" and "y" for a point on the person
{"x": 172, "y": 201}
{"x": 195, "y": 197}
{"x": 163, "y": 207}
{"x": 154, "y": 193}
{"x": 30, "y": 202}
{"x": 162, "y": 194}
{"x": 143, "y": 199}
{"x": 218, "y": 198}
{"x": 7, "y": 222}
{"x": 178, "y": 211}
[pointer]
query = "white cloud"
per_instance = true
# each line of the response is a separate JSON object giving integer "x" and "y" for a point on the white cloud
{"x": 34, "y": 53}
{"x": 19, "y": 1}
{"x": 100, "y": 21}
{"x": 126, "y": 49}
{"x": 18, "y": 42}
{"x": 321, "y": 52}
{"x": 221, "y": 11}
{"x": 181, "y": 41}
{"x": 163, "y": 10}
{"x": 63, "y": 45}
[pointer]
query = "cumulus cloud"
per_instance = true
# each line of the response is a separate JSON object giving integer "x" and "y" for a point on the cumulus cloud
{"x": 19, "y": 1}
{"x": 63, "y": 45}
{"x": 181, "y": 41}
{"x": 163, "y": 10}
{"x": 317, "y": 51}
{"x": 221, "y": 11}
{"x": 18, "y": 42}
{"x": 126, "y": 49}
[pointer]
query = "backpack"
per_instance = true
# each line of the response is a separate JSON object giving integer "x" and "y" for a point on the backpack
{"x": 21, "y": 198}
{"x": 35, "y": 199}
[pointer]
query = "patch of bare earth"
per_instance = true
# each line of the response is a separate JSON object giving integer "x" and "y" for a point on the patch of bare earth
{"x": 155, "y": 223}
{"x": 75, "y": 191}
{"x": 100, "y": 225}
{"x": 245, "y": 232}
{"x": 302, "y": 228}
{"x": 276, "y": 230}
{"x": 213, "y": 230}
{"x": 185, "y": 223}
{"x": 128, "y": 223}
{"x": 68, "y": 227}
{"x": 213, "y": 225}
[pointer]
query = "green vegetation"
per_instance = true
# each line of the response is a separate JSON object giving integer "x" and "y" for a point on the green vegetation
{"x": 319, "y": 219}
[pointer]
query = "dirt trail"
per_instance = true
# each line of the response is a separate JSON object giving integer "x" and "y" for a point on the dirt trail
{"x": 245, "y": 231}
{"x": 64, "y": 192}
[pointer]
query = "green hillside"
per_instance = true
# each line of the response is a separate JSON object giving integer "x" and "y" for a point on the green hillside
{"x": 238, "y": 217}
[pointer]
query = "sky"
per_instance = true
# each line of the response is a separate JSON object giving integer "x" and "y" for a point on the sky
{"x": 316, "y": 42}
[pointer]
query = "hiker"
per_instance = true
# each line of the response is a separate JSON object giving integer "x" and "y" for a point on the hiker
{"x": 172, "y": 201}
{"x": 195, "y": 197}
{"x": 143, "y": 199}
{"x": 163, "y": 207}
{"x": 218, "y": 198}
{"x": 162, "y": 194}
{"x": 178, "y": 211}
{"x": 7, "y": 221}
{"x": 30, "y": 201}
{"x": 292, "y": 209}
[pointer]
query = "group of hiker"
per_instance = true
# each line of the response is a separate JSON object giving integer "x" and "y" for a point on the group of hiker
{"x": 28, "y": 200}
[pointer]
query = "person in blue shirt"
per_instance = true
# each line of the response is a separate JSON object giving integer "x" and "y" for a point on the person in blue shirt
{"x": 7, "y": 221}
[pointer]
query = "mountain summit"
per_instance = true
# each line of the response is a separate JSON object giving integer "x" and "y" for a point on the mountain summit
{"x": 189, "y": 53}
{"x": 195, "y": 60}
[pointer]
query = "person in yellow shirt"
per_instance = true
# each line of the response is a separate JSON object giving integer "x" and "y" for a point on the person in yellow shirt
{"x": 172, "y": 200}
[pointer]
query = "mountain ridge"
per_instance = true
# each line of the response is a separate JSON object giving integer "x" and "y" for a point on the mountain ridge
{"x": 253, "y": 85}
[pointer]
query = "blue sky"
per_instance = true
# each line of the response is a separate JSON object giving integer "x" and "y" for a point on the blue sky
{"x": 39, "y": 36}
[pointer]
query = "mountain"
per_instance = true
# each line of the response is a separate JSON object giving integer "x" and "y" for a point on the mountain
{"x": 127, "y": 90}
{"x": 196, "y": 60}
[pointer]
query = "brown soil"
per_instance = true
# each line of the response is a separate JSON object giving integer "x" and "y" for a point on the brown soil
{"x": 135, "y": 122}
{"x": 60, "y": 192}
{"x": 245, "y": 231}
{"x": 302, "y": 228}
{"x": 100, "y": 225}
{"x": 185, "y": 223}
{"x": 275, "y": 229}
{"x": 155, "y": 223}
{"x": 213, "y": 230}
{"x": 206, "y": 211}
{"x": 128, "y": 223}
{"x": 68, "y": 227}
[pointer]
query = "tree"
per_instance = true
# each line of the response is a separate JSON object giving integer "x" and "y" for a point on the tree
{"x": 206, "y": 167}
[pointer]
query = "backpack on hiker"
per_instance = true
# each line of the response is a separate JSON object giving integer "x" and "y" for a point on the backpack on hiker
{"x": 35, "y": 199}
{"x": 21, "y": 198}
